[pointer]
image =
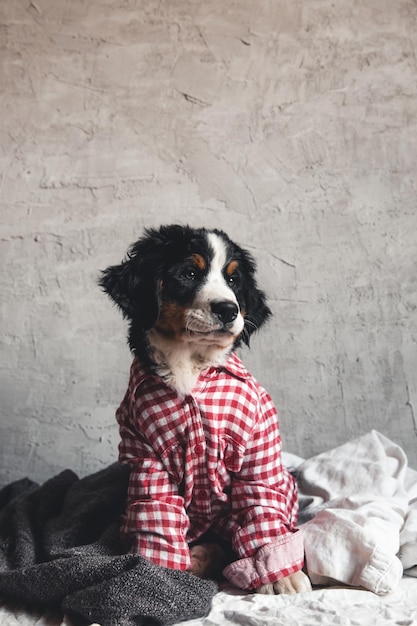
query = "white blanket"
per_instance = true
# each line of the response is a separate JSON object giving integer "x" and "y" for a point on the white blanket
{"x": 359, "y": 514}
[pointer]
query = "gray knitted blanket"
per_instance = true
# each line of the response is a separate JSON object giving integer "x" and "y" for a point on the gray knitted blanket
{"x": 60, "y": 548}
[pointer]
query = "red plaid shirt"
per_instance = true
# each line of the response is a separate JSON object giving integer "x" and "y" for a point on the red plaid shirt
{"x": 209, "y": 460}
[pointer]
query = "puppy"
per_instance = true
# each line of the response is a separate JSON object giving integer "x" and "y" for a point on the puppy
{"x": 200, "y": 435}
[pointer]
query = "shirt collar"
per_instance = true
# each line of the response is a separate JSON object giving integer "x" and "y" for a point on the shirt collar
{"x": 234, "y": 366}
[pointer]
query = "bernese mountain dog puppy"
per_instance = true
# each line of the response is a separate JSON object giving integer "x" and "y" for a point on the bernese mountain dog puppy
{"x": 200, "y": 434}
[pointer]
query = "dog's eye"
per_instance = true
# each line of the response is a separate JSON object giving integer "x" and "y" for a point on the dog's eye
{"x": 189, "y": 274}
{"x": 233, "y": 280}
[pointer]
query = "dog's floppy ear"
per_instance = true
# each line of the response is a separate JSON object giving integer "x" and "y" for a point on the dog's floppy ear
{"x": 134, "y": 285}
{"x": 256, "y": 310}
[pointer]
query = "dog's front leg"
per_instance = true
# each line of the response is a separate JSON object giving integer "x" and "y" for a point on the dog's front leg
{"x": 207, "y": 560}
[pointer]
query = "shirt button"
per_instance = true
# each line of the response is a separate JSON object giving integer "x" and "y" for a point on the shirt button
{"x": 202, "y": 493}
{"x": 198, "y": 448}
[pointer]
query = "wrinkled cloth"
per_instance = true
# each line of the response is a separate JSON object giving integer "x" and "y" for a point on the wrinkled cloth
{"x": 60, "y": 548}
{"x": 358, "y": 514}
{"x": 209, "y": 460}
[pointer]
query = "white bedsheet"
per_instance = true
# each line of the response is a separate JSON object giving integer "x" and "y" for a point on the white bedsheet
{"x": 327, "y": 607}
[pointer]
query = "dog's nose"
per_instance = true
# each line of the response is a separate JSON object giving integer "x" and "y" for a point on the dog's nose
{"x": 225, "y": 310}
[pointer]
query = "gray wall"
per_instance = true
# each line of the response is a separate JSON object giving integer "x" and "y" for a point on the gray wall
{"x": 291, "y": 125}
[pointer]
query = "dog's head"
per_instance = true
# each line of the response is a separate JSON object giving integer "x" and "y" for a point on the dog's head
{"x": 193, "y": 285}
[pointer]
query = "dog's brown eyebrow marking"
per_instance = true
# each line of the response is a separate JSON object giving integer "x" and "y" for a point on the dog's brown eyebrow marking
{"x": 231, "y": 267}
{"x": 198, "y": 261}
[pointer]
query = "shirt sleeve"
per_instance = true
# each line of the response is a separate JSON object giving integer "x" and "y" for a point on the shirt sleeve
{"x": 155, "y": 522}
{"x": 264, "y": 508}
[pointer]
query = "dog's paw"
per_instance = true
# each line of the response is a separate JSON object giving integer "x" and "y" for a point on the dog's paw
{"x": 207, "y": 560}
{"x": 295, "y": 583}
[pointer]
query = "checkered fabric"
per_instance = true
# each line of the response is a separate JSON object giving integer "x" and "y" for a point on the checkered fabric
{"x": 209, "y": 460}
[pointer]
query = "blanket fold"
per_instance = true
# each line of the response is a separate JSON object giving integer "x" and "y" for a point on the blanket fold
{"x": 60, "y": 548}
{"x": 356, "y": 514}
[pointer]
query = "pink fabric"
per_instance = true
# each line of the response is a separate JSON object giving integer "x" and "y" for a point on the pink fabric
{"x": 272, "y": 562}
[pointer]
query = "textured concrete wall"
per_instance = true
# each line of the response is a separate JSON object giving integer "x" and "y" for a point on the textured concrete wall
{"x": 289, "y": 124}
